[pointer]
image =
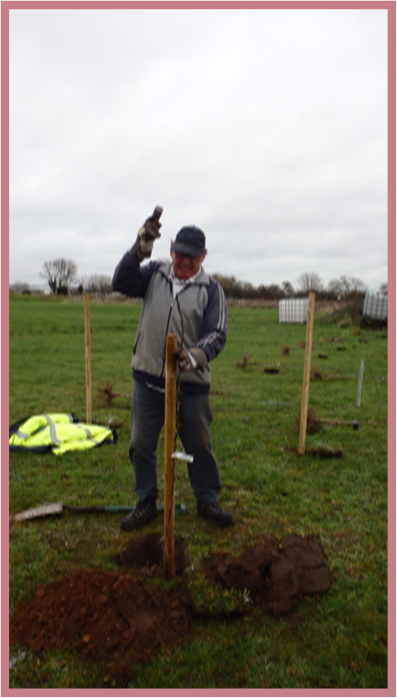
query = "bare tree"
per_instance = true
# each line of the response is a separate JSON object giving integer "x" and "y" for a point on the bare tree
{"x": 309, "y": 281}
{"x": 383, "y": 289}
{"x": 356, "y": 286}
{"x": 334, "y": 288}
{"x": 346, "y": 287}
{"x": 97, "y": 283}
{"x": 21, "y": 287}
{"x": 59, "y": 273}
{"x": 274, "y": 291}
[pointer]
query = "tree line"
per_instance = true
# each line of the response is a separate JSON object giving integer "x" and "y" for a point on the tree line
{"x": 61, "y": 276}
{"x": 343, "y": 288}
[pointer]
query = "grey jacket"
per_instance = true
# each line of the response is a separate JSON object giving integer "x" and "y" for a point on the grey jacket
{"x": 202, "y": 312}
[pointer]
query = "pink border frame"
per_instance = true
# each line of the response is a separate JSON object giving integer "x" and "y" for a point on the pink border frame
{"x": 390, "y": 6}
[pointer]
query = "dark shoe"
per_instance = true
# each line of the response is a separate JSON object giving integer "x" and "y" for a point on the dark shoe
{"x": 213, "y": 512}
{"x": 144, "y": 512}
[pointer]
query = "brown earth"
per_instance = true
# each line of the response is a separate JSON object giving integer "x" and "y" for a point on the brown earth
{"x": 276, "y": 574}
{"x": 120, "y": 618}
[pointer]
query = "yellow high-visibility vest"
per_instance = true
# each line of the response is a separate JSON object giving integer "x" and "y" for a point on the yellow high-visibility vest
{"x": 58, "y": 433}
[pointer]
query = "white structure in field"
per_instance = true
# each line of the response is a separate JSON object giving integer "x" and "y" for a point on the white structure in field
{"x": 375, "y": 306}
{"x": 293, "y": 310}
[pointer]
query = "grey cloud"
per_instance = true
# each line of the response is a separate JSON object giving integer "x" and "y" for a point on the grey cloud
{"x": 267, "y": 128}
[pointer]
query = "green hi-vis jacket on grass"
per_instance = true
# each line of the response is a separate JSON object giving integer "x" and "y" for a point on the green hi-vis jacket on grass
{"x": 58, "y": 433}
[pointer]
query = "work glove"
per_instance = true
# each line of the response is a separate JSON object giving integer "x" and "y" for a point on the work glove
{"x": 190, "y": 360}
{"x": 147, "y": 234}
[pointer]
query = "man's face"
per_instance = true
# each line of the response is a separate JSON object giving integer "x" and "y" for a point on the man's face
{"x": 184, "y": 266}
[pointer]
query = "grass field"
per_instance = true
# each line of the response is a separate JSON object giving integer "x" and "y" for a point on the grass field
{"x": 338, "y": 640}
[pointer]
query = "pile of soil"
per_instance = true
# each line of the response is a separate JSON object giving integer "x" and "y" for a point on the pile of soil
{"x": 111, "y": 618}
{"x": 276, "y": 574}
{"x": 117, "y": 619}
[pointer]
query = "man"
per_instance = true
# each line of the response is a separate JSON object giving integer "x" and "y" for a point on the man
{"x": 178, "y": 298}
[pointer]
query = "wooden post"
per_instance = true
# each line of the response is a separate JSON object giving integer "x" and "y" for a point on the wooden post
{"x": 169, "y": 447}
{"x": 87, "y": 358}
{"x": 306, "y": 374}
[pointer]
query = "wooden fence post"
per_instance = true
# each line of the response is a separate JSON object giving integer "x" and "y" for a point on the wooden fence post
{"x": 169, "y": 447}
{"x": 306, "y": 374}
{"x": 87, "y": 358}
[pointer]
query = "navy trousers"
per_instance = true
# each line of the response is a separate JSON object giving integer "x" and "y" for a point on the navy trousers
{"x": 147, "y": 420}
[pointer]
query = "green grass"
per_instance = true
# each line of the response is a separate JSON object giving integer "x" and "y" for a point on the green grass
{"x": 338, "y": 640}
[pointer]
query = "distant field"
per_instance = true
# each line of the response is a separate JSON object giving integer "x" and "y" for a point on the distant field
{"x": 336, "y": 640}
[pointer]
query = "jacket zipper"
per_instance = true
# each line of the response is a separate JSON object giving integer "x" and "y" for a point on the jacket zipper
{"x": 166, "y": 329}
{"x": 169, "y": 319}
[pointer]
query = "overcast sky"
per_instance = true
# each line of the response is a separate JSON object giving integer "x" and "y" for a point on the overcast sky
{"x": 266, "y": 128}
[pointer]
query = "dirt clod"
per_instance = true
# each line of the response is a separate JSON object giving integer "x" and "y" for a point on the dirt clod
{"x": 275, "y": 573}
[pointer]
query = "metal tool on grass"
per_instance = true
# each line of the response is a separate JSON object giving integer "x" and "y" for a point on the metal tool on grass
{"x": 360, "y": 377}
{"x": 57, "y": 508}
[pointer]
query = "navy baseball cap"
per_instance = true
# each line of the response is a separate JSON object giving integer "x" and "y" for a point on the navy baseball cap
{"x": 190, "y": 241}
